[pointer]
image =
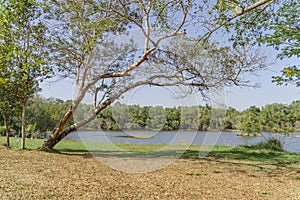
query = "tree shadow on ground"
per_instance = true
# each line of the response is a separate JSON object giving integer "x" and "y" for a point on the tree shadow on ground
{"x": 241, "y": 155}
{"x": 263, "y": 159}
{"x": 123, "y": 154}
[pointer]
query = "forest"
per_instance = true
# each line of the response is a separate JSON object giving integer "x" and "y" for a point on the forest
{"x": 43, "y": 115}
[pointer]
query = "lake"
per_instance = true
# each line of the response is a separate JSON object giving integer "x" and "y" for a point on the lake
{"x": 290, "y": 143}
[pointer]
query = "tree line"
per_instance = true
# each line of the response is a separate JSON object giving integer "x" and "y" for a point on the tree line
{"x": 279, "y": 118}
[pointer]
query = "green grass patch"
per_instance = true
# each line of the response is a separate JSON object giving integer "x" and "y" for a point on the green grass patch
{"x": 71, "y": 146}
{"x": 33, "y": 144}
{"x": 134, "y": 136}
{"x": 218, "y": 152}
{"x": 140, "y": 148}
{"x": 249, "y": 154}
{"x": 15, "y": 143}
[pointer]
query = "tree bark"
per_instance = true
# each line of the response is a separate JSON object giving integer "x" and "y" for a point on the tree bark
{"x": 6, "y": 127}
{"x": 56, "y": 134}
{"x": 59, "y": 133}
{"x": 23, "y": 124}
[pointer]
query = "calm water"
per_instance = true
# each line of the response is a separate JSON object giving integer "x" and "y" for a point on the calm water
{"x": 290, "y": 143}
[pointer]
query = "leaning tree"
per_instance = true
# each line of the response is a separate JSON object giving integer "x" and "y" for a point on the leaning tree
{"x": 97, "y": 44}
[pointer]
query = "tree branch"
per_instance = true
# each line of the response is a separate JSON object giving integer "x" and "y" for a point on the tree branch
{"x": 237, "y": 14}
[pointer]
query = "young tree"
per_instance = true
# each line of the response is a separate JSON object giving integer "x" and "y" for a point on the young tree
{"x": 9, "y": 102}
{"x": 85, "y": 49}
{"x": 5, "y": 101}
{"x": 22, "y": 36}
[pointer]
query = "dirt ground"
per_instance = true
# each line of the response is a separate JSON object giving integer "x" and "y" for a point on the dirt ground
{"x": 40, "y": 175}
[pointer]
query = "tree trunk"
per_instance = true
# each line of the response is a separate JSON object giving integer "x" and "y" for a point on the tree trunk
{"x": 52, "y": 141}
{"x": 6, "y": 127}
{"x": 59, "y": 133}
{"x": 56, "y": 134}
{"x": 23, "y": 124}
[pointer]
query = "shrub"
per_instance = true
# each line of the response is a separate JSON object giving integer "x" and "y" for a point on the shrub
{"x": 270, "y": 144}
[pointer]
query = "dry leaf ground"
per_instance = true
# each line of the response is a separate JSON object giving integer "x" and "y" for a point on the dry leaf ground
{"x": 40, "y": 175}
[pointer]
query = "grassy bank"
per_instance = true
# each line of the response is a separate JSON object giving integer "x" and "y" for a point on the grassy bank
{"x": 217, "y": 152}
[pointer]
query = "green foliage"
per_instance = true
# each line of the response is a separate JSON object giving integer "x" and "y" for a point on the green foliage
{"x": 273, "y": 144}
{"x": 249, "y": 120}
{"x": 285, "y": 36}
{"x": 277, "y": 118}
{"x": 44, "y": 114}
{"x": 31, "y": 128}
{"x": 173, "y": 119}
{"x": 274, "y": 23}
{"x": 230, "y": 119}
{"x": 271, "y": 118}
{"x": 284, "y": 32}
{"x": 289, "y": 75}
{"x": 276, "y": 26}
{"x": 2, "y": 130}
{"x": 22, "y": 40}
